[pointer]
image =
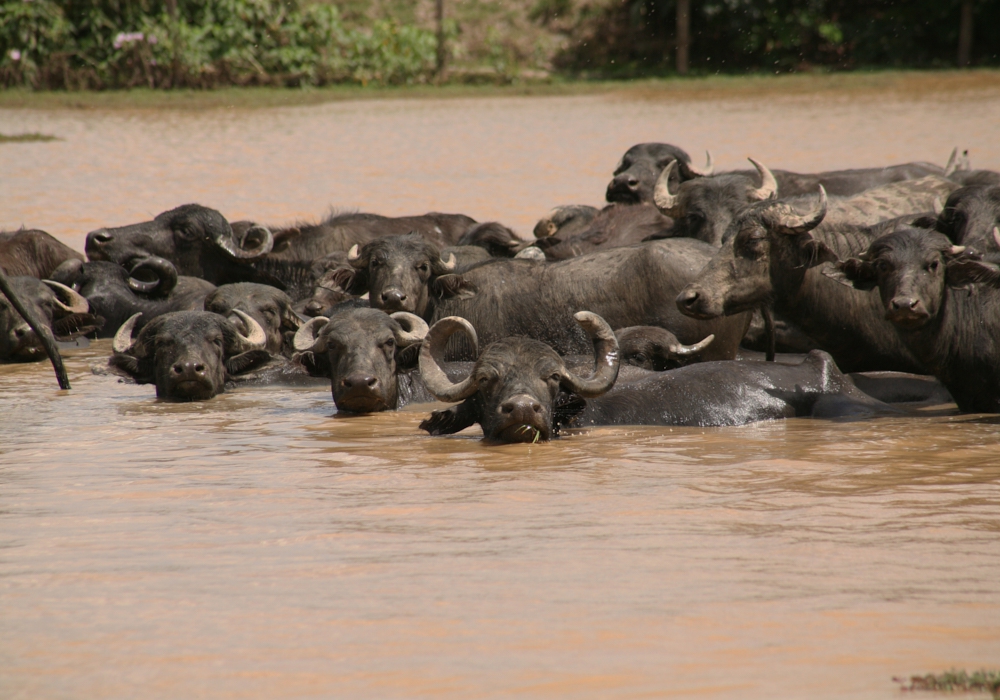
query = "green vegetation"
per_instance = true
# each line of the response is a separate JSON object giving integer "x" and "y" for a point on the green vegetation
{"x": 951, "y": 681}
{"x": 124, "y": 44}
{"x": 26, "y": 138}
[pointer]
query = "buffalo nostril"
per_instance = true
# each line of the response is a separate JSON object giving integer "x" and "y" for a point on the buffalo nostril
{"x": 913, "y": 304}
{"x": 177, "y": 369}
{"x": 633, "y": 183}
{"x": 102, "y": 237}
{"x": 688, "y": 298}
{"x": 20, "y": 332}
{"x": 507, "y": 407}
{"x": 199, "y": 368}
{"x": 372, "y": 381}
{"x": 536, "y": 407}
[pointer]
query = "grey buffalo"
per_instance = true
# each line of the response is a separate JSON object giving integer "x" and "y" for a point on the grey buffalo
{"x": 33, "y": 253}
{"x": 60, "y": 308}
{"x": 269, "y": 307}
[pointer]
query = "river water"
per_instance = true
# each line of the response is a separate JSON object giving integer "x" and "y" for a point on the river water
{"x": 260, "y": 546}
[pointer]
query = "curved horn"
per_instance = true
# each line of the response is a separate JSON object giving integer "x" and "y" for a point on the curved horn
{"x": 228, "y": 244}
{"x": 996, "y": 235}
{"x": 74, "y": 304}
{"x": 693, "y": 172}
{"x": 606, "y": 358}
{"x": 163, "y": 270}
{"x": 792, "y": 224}
{"x": 414, "y": 328}
{"x": 952, "y": 164}
{"x": 955, "y": 250}
{"x": 665, "y": 202}
{"x": 123, "y": 338}
{"x": 257, "y": 339}
{"x": 450, "y": 263}
{"x": 768, "y": 185}
{"x": 683, "y": 350}
{"x": 354, "y": 253}
{"x": 305, "y": 337}
{"x": 436, "y": 381}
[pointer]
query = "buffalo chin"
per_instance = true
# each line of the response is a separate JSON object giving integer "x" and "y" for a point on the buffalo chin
{"x": 907, "y": 319}
{"x": 189, "y": 390}
{"x": 520, "y": 432}
{"x": 361, "y": 404}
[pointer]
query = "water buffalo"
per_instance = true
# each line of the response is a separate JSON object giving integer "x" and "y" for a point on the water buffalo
{"x": 970, "y": 216}
{"x": 772, "y": 255}
{"x": 495, "y": 238}
{"x": 33, "y": 253}
{"x": 944, "y": 303}
{"x": 55, "y": 305}
{"x": 657, "y": 349}
{"x": 269, "y": 307}
{"x": 512, "y": 389}
{"x": 628, "y": 286}
{"x": 730, "y": 393}
{"x": 188, "y": 354}
{"x": 565, "y": 221}
{"x": 153, "y": 287}
{"x": 637, "y": 171}
{"x": 197, "y": 240}
{"x": 616, "y": 225}
{"x": 370, "y": 357}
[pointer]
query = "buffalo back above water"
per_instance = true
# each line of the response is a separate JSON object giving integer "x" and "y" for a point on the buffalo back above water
{"x": 33, "y": 253}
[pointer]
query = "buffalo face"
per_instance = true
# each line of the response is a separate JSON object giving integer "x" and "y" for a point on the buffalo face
{"x": 513, "y": 387}
{"x": 361, "y": 351}
{"x": 657, "y": 349}
{"x": 197, "y": 240}
{"x": 636, "y": 173}
{"x": 64, "y": 311}
{"x": 270, "y": 307}
{"x": 188, "y": 354}
{"x": 765, "y": 240}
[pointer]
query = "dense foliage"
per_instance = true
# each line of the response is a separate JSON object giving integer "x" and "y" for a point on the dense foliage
{"x": 128, "y": 43}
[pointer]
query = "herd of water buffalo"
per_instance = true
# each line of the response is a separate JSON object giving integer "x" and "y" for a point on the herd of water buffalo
{"x": 692, "y": 298}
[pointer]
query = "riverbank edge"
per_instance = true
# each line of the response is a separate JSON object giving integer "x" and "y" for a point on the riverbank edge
{"x": 895, "y": 83}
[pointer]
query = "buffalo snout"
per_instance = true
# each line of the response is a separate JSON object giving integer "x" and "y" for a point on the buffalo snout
{"x": 521, "y": 418}
{"x": 907, "y": 311}
{"x": 393, "y": 300}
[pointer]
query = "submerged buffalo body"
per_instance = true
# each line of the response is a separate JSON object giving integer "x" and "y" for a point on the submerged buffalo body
{"x": 64, "y": 311}
{"x": 188, "y": 355}
{"x": 269, "y": 307}
{"x": 971, "y": 216}
{"x": 151, "y": 288}
{"x": 945, "y": 305}
{"x": 33, "y": 253}
{"x": 616, "y": 225}
{"x": 629, "y": 286}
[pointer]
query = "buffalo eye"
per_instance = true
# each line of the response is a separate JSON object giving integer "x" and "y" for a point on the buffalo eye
{"x": 375, "y": 262}
{"x": 881, "y": 266}
{"x": 187, "y": 233}
{"x": 424, "y": 267}
{"x": 932, "y": 266}
{"x": 639, "y": 357}
{"x": 390, "y": 344}
{"x": 556, "y": 377}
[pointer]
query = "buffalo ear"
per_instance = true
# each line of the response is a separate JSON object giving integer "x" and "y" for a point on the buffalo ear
{"x": 246, "y": 361}
{"x": 74, "y": 325}
{"x": 283, "y": 239}
{"x": 451, "y": 420}
{"x": 407, "y": 358}
{"x": 852, "y": 273}
{"x": 349, "y": 280}
{"x": 963, "y": 271}
{"x": 817, "y": 252}
{"x": 447, "y": 286}
{"x": 315, "y": 365}
{"x": 130, "y": 366}
{"x": 566, "y": 408}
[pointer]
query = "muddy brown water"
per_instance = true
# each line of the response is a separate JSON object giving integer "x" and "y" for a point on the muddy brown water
{"x": 260, "y": 546}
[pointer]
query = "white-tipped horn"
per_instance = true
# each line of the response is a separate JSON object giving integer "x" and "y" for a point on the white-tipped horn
{"x": 354, "y": 253}
{"x": 305, "y": 336}
{"x": 256, "y": 338}
{"x": 665, "y": 201}
{"x": 686, "y": 350}
{"x": 450, "y": 263}
{"x": 996, "y": 236}
{"x": 956, "y": 250}
{"x": 952, "y": 163}
{"x": 75, "y": 303}
{"x": 123, "y": 338}
{"x": 768, "y": 185}
{"x": 708, "y": 170}
{"x": 414, "y": 327}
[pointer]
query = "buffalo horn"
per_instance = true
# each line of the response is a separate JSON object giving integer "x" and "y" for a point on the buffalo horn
{"x": 996, "y": 235}
{"x": 708, "y": 170}
{"x": 74, "y": 303}
{"x": 257, "y": 339}
{"x": 768, "y": 185}
{"x": 354, "y": 253}
{"x": 955, "y": 250}
{"x": 795, "y": 223}
{"x": 952, "y": 165}
{"x": 414, "y": 328}
{"x": 123, "y": 338}
{"x": 226, "y": 242}
{"x": 665, "y": 201}
{"x": 436, "y": 381}
{"x": 683, "y": 350}
{"x": 305, "y": 337}
{"x": 449, "y": 264}
{"x": 164, "y": 271}
{"x": 606, "y": 358}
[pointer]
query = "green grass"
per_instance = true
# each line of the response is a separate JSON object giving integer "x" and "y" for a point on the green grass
{"x": 26, "y": 138}
{"x": 951, "y": 681}
{"x": 907, "y": 84}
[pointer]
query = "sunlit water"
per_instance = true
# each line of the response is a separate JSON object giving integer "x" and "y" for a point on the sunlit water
{"x": 260, "y": 546}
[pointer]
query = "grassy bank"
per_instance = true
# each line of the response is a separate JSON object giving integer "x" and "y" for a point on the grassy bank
{"x": 900, "y": 84}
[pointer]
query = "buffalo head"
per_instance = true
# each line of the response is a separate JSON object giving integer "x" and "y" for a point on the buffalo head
{"x": 636, "y": 173}
{"x": 57, "y": 306}
{"x": 657, "y": 349}
{"x": 269, "y": 307}
{"x": 188, "y": 354}
{"x": 361, "y": 351}
{"x": 514, "y": 385}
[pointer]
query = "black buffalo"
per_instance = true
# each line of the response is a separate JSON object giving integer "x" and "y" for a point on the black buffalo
{"x": 188, "y": 355}
{"x": 945, "y": 305}
{"x": 657, "y": 349}
{"x": 493, "y": 237}
{"x": 512, "y": 389}
{"x": 269, "y": 307}
{"x": 33, "y": 253}
{"x": 369, "y": 357}
{"x": 772, "y": 256}
{"x": 971, "y": 216}
{"x": 628, "y": 286}
{"x": 633, "y": 178}
{"x": 565, "y": 221}
{"x": 614, "y": 226}
{"x": 64, "y": 311}
{"x": 152, "y": 288}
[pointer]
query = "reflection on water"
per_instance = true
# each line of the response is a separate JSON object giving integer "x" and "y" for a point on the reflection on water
{"x": 259, "y": 545}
